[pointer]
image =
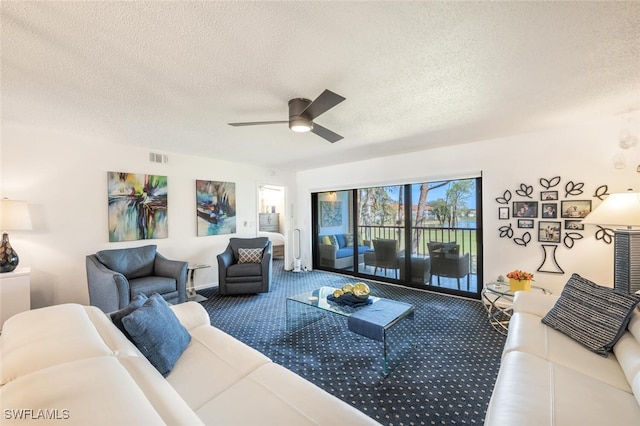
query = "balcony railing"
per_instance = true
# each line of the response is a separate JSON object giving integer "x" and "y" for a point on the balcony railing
{"x": 466, "y": 238}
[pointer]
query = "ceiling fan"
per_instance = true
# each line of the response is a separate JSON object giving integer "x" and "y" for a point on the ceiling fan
{"x": 302, "y": 112}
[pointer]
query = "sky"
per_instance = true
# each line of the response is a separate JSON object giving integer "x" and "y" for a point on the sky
{"x": 434, "y": 194}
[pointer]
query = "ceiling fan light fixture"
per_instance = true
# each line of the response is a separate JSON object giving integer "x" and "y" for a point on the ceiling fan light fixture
{"x": 300, "y": 125}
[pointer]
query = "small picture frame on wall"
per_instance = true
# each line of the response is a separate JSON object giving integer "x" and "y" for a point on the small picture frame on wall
{"x": 549, "y": 210}
{"x": 574, "y": 225}
{"x": 525, "y": 209}
{"x": 575, "y": 209}
{"x": 548, "y": 231}
{"x": 525, "y": 223}
{"x": 503, "y": 213}
{"x": 548, "y": 195}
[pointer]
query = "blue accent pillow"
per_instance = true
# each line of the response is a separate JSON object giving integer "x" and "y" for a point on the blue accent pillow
{"x": 593, "y": 315}
{"x": 157, "y": 333}
{"x": 116, "y": 317}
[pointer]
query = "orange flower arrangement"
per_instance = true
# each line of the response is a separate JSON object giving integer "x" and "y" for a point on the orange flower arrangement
{"x": 520, "y": 275}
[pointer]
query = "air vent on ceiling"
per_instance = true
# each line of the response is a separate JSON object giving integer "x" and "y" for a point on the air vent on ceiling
{"x": 155, "y": 157}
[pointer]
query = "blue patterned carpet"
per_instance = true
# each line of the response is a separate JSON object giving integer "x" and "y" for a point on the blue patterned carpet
{"x": 446, "y": 377}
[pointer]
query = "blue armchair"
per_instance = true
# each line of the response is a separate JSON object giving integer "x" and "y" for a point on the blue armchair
{"x": 116, "y": 276}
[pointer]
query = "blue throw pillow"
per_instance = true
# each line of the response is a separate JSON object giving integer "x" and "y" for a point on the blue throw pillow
{"x": 157, "y": 333}
{"x": 116, "y": 317}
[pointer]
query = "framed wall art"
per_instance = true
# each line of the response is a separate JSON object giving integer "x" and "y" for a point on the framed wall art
{"x": 525, "y": 209}
{"x": 549, "y": 210}
{"x": 215, "y": 207}
{"x": 137, "y": 206}
{"x": 575, "y": 225}
{"x": 548, "y": 195}
{"x": 330, "y": 213}
{"x": 575, "y": 209}
{"x": 549, "y": 231}
{"x": 503, "y": 213}
{"x": 525, "y": 223}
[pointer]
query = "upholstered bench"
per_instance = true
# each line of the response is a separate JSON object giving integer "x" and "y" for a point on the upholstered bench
{"x": 376, "y": 322}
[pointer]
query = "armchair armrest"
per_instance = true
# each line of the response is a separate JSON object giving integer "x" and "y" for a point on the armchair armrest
{"x": 176, "y": 269}
{"x": 266, "y": 262}
{"x": 225, "y": 259}
{"x": 108, "y": 290}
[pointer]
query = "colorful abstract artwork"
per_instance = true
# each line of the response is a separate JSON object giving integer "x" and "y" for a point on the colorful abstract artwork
{"x": 215, "y": 207}
{"x": 137, "y": 206}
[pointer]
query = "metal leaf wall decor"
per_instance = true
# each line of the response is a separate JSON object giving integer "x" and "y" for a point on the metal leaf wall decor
{"x": 556, "y": 216}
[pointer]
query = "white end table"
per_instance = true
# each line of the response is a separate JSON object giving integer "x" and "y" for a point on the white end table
{"x": 15, "y": 293}
{"x": 192, "y": 296}
{"x": 498, "y": 301}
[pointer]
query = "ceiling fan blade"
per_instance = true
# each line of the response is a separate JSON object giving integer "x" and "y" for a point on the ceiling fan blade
{"x": 323, "y": 132}
{"x": 257, "y": 123}
{"x": 322, "y": 104}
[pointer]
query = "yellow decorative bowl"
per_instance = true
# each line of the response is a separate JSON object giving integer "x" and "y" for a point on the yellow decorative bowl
{"x": 361, "y": 291}
{"x": 347, "y": 288}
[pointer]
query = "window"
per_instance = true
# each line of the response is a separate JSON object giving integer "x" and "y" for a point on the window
{"x": 436, "y": 223}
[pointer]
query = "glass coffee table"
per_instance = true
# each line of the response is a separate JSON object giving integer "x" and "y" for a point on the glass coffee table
{"x": 497, "y": 298}
{"x": 309, "y": 307}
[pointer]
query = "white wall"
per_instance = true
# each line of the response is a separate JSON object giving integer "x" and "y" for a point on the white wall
{"x": 581, "y": 154}
{"x": 63, "y": 178}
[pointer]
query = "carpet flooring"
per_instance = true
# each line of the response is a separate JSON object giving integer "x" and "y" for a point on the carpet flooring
{"x": 446, "y": 376}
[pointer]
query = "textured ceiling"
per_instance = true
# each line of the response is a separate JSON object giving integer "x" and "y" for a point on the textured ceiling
{"x": 169, "y": 76}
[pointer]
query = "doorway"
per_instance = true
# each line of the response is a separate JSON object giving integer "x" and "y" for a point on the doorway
{"x": 271, "y": 217}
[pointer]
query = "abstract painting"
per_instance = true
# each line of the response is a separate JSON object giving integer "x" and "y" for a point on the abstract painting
{"x": 331, "y": 213}
{"x": 137, "y": 206}
{"x": 215, "y": 207}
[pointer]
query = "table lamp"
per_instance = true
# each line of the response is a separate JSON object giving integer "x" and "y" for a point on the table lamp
{"x": 622, "y": 210}
{"x": 14, "y": 216}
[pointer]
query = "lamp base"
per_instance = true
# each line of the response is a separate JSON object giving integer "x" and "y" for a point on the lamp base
{"x": 8, "y": 256}
{"x": 626, "y": 275}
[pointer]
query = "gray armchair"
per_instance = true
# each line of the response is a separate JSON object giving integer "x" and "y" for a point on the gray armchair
{"x": 446, "y": 261}
{"x": 116, "y": 276}
{"x": 254, "y": 276}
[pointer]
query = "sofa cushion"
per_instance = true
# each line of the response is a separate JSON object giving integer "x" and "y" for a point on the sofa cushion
{"x": 593, "y": 315}
{"x": 250, "y": 255}
{"x": 348, "y": 240}
{"x": 116, "y": 317}
{"x": 157, "y": 333}
{"x": 344, "y": 252}
{"x": 131, "y": 262}
{"x": 244, "y": 270}
{"x": 533, "y": 391}
{"x": 153, "y": 284}
{"x": 330, "y": 240}
{"x": 341, "y": 239}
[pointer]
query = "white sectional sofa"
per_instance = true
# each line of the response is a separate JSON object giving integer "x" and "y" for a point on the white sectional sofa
{"x": 69, "y": 364}
{"x": 547, "y": 378}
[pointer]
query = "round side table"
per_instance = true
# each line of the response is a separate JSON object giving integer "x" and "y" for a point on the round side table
{"x": 498, "y": 301}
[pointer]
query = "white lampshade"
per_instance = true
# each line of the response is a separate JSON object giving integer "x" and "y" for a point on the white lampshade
{"x": 14, "y": 216}
{"x": 620, "y": 209}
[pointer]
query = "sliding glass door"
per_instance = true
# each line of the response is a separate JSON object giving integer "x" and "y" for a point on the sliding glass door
{"x": 425, "y": 235}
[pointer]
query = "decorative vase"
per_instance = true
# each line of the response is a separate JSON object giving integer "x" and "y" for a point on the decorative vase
{"x": 519, "y": 285}
{"x": 8, "y": 256}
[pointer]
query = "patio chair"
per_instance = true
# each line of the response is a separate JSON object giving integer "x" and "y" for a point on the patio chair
{"x": 446, "y": 261}
{"x": 386, "y": 256}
